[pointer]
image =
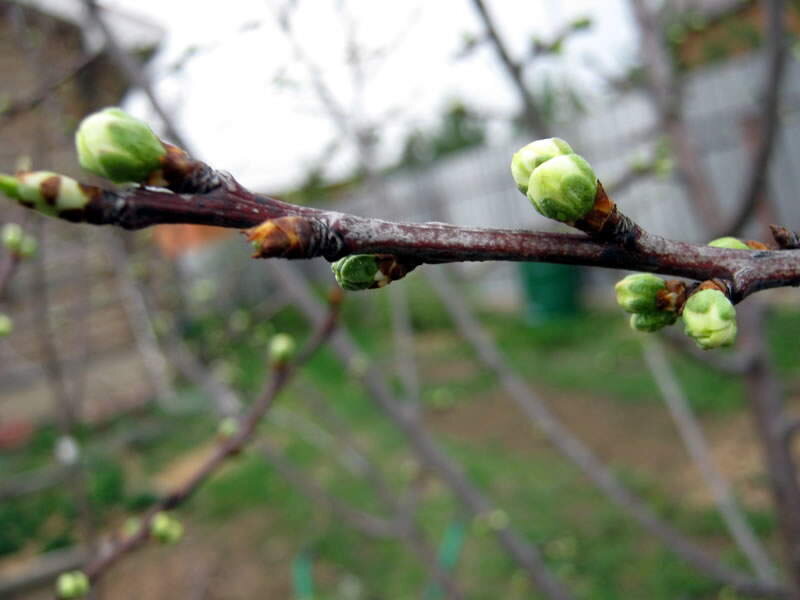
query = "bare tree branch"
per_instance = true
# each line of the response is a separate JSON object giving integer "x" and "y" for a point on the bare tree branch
{"x": 423, "y": 444}
{"x": 281, "y": 375}
{"x": 532, "y": 116}
{"x": 767, "y": 404}
{"x": 776, "y": 67}
{"x": 579, "y": 454}
{"x": 698, "y": 449}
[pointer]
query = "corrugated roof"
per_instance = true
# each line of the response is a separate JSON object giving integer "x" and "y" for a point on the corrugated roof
{"x": 133, "y": 32}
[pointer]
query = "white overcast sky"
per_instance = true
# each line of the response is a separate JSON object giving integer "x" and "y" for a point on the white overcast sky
{"x": 233, "y": 115}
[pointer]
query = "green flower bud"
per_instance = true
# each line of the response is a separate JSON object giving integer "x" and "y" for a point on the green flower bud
{"x": 357, "y": 271}
{"x": 729, "y": 242}
{"x": 534, "y": 154}
{"x": 6, "y": 325}
{"x": 12, "y": 237}
{"x": 638, "y": 293}
{"x": 563, "y": 188}
{"x": 166, "y": 529}
{"x": 114, "y": 145}
{"x": 281, "y": 348}
{"x": 710, "y": 319}
{"x": 497, "y": 519}
{"x": 47, "y": 192}
{"x": 73, "y": 584}
{"x": 581, "y": 23}
{"x": 653, "y": 321}
{"x": 228, "y": 427}
{"x": 28, "y": 247}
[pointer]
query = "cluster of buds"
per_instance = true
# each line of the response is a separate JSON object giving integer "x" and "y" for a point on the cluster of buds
{"x": 647, "y": 298}
{"x": 560, "y": 184}
{"x": 47, "y": 192}
{"x": 72, "y": 584}
{"x": 708, "y": 315}
{"x": 165, "y": 528}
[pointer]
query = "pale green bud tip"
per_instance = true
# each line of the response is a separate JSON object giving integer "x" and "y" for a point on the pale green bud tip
{"x": 28, "y": 247}
{"x": 534, "y": 154}
{"x": 638, "y": 293}
{"x": 282, "y": 348}
{"x": 729, "y": 242}
{"x": 710, "y": 319}
{"x": 228, "y": 427}
{"x": 9, "y": 186}
{"x": 115, "y": 145}
{"x": 12, "y": 236}
{"x": 6, "y": 325}
{"x": 166, "y": 529}
{"x": 653, "y": 321}
{"x": 72, "y": 584}
{"x": 45, "y": 191}
{"x": 357, "y": 271}
{"x": 563, "y": 188}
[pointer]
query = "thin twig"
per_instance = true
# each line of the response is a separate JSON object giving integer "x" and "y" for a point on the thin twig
{"x": 532, "y": 116}
{"x": 767, "y": 404}
{"x": 579, "y": 454}
{"x": 775, "y": 42}
{"x": 698, "y": 449}
{"x": 281, "y": 375}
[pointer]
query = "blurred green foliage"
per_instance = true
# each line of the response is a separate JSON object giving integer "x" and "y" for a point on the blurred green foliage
{"x": 586, "y": 540}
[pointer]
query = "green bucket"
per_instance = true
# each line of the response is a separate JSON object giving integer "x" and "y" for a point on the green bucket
{"x": 550, "y": 291}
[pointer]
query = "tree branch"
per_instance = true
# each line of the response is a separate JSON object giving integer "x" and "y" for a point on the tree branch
{"x": 581, "y": 456}
{"x": 697, "y": 447}
{"x": 532, "y": 116}
{"x": 305, "y": 232}
{"x": 281, "y": 375}
{"x": 428, "y": 451}
{"x": 776, "y": 65}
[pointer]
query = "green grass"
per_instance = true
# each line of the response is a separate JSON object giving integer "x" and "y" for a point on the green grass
{"x": 590, "y": 543}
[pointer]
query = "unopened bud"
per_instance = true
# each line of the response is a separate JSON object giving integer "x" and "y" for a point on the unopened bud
{"x": 710, "y": 319}
{"x": 12, "y": 236}
{"x": 113, "y": 144}
{"x": 638, "y": 293}
{"x": 563, "y": 188}
{"x": 497, "y": 519}
{"x": 45, "y": 191}
{"x": 534, "y": 154}
{"x": 28, "y": 247}
{"x": 282, "y": 348}
{"x": 228, "y": 427}
{"x": 72, "y": 584}
{"x": 6, "y": 325}
{"x": 729, "y": 242}
{"x": 166, "y": 529}
{"x": 357, "y": 271}
{"x": 581, "y": 23}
